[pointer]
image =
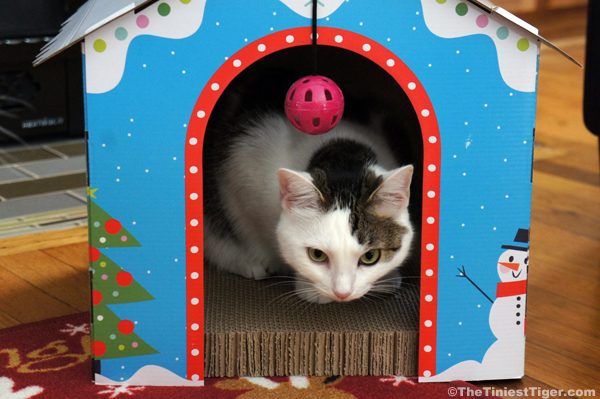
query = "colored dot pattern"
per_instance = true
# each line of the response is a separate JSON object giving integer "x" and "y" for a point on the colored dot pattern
{"x": 99, "y": 45}
{"x": 523, "y": 44}
{"x": 164, "y": 9}
{"x": 121, "y": 33}
{"x": 462, "y": 9}
{"x": 142, "y": 22}
{"x": 483, "y": 21}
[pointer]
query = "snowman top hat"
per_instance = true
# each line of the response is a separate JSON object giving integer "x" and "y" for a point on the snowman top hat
{"x": 522, "y": 237}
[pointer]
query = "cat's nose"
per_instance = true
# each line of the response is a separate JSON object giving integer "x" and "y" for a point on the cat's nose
{"x": 342, "y": 294}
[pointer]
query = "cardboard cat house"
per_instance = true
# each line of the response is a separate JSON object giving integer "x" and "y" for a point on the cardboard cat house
{"x": 154, "y": 72}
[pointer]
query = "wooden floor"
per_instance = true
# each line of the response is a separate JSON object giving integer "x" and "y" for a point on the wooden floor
{"x": 45, "y": 276}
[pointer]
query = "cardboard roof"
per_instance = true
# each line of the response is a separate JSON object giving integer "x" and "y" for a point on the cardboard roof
{"x": 96, "y": 13}
{"x": 91, "y": 16}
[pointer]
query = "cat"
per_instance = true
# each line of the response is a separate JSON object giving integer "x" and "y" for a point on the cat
{"x": 331, "y": 209}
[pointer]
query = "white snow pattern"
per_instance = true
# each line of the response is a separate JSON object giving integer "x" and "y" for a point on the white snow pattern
{"x": 304, "y": 7}
{"x": 104, "y": 68}
{"x": 151, "y": 376}
{"x": 518, "y": 68}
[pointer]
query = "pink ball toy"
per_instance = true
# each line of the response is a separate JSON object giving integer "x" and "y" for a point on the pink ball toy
{"x": 314, "y": 104}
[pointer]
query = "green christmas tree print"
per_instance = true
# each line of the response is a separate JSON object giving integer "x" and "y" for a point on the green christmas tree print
{"x": 106, "y": 231}
{"x": 112, "y": 285}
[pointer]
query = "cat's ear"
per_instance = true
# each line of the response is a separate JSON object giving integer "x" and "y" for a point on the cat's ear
{"x": 393, "y": 194}
{"x": 297, "y": 192}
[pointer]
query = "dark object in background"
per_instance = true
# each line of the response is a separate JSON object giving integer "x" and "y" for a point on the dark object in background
{"x": 591, "y": 99}
{"x": 42, "y": 103}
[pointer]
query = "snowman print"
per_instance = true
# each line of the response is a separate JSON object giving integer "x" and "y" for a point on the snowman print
{"x": 504, "y": 358}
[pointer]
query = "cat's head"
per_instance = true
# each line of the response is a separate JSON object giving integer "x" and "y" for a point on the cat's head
{"x": 344, "y": 244}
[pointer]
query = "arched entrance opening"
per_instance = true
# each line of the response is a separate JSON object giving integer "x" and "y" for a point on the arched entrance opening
{"x": 339, "y": 48}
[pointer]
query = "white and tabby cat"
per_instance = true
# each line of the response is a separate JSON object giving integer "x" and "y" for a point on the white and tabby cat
{"x": 331, "y": 209}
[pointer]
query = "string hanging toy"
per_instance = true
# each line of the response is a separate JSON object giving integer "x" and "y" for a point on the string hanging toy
{"x": 314, "y": 104}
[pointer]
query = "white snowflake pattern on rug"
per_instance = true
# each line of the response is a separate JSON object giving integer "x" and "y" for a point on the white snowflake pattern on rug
{"x": 73, "y": 330}
{"x": 298, "y": 382}
{"x": 398, "y": 380}
{"x": 7, "y": 391}
{"x": 117, "y": 390}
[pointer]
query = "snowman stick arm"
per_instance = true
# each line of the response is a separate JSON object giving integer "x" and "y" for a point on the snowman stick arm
{"x": 463, "y": 273}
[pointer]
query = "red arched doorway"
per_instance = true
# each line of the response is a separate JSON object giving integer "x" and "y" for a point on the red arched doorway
{"x": 209, "y": 96}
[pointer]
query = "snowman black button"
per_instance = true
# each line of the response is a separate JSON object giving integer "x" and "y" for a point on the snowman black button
{"x": 518, "y": 298}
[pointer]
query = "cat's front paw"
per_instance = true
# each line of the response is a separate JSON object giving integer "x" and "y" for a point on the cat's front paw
{"x": 255, "y": 272}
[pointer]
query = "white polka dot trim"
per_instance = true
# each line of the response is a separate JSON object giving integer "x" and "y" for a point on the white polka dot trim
{"x": 194, "y": 249}
{"x": 428, "y": 323}
{"x": 194, "y": 222}
{"x": 431, "y": 194}
{"x": 430, "y": 220}
{"x": 412, "y": 86}
{"x": 194, "y": 275}
{"x": 261, "y": 47}
{"x": 429, "y": 272}
{"x": 366, "y": 47}
{"x": 290, "y": 39}
{"x": 428, "y": 298}
{"x": 194, "y": 196}
{"x": 432, "y": 139}
{"x": 237, "y": 63}
{"x": 427, "y": 373}
{"x": 193, "y": 141}
{"x": 195, "y": 377}
{"x": 195, "y": 326}
{"x": 195, "y": 301}
{"x": 215, "y": 86}
{"x": 390, "y": 62}
{"x": 201, "y": 114}
{"x": 195, "y": 352}
{"x": 193, "y": 170}
{"x": 425, "y": 113}
{"x": 429, "y": 247}
{"x": 338, "y": 38}
{"x": 427, "y": 348}
{"x": 431, "y": 168}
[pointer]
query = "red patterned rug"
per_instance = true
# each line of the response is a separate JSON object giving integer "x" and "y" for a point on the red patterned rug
{"x": 50, "y": 360}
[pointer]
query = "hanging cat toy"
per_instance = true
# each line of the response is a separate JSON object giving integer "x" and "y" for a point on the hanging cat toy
{"x": 314, "y": 104}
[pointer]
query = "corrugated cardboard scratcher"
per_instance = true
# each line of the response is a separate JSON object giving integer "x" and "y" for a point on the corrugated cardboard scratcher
{"x": 251, "y": 331}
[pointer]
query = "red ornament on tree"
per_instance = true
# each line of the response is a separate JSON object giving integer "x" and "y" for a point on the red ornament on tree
{"x": 124, "y": 279}
{"x": 94, "y": 254}
{"x": 96, "y": 297}
{"x": 112, "y": 226}
{"x": 98, "y": 348}
{"x": 126, "y": 327}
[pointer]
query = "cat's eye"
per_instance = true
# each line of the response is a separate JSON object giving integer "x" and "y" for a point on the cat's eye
{"x": 316, "y": 255}
{"x": 370, "y": 257}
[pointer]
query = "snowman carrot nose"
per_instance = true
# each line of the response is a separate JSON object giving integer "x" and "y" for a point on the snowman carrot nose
{"x": 513, "y": 266}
